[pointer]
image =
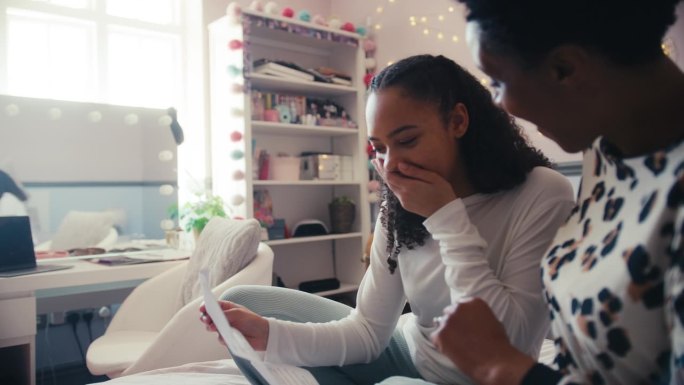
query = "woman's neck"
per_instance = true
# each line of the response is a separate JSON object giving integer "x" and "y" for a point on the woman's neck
{"x": 647, "y": 108}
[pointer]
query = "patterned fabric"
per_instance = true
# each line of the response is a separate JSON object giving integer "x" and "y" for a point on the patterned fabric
{"x": 613, "y": 275}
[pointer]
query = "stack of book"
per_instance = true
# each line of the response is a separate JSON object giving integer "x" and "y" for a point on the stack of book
{"x": 282, "y": 69}
{"x": 289, "y": 70}
{"x": 332, "y": 75}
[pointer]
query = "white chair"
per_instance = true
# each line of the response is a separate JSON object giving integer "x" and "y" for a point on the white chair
{"x": 106, "y": 243}
{"x": 150, "y": 330}
{"x": 80, "y": 229}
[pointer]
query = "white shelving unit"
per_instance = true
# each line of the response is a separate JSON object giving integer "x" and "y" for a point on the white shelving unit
{"x": 234, "y": 137}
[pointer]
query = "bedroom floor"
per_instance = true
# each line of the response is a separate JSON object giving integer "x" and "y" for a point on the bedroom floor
{"x": 72, "y": 374}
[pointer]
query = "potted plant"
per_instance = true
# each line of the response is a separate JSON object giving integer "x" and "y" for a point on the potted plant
{"x": 342, "y": 212}
{"x": 196, "y": 214}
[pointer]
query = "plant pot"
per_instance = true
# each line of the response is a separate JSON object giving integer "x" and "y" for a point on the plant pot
{"x": 342, "y": 217}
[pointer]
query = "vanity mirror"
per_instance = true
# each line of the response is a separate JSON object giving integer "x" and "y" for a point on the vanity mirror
{"x": 76, "y": 157}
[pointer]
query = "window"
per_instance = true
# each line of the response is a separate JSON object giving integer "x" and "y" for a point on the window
{"x": 110, "y": 51}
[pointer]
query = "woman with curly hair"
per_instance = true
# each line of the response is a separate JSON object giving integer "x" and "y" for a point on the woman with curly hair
{"x": 593, "y": 76}
{"x": 468, "y": 209}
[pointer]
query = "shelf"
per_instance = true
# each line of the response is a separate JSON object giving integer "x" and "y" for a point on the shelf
{"x": 261, "y": 127}
{"x": 272, "y": 83}
{"x": 311, "y": 46}
{"x": 344, "y": 288}
{"x": 318, "y": 238}
{"x": 305, "y": 183}
{"x": 294, "y": 21}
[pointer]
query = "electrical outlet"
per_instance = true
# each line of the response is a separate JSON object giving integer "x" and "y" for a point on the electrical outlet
{"x": 72, "y": 317}
{"x": 56, "y": 318}
{"x": 41, "y": 321}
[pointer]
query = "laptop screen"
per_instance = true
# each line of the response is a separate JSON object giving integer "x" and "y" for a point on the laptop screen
{"x": 16, "y": 244}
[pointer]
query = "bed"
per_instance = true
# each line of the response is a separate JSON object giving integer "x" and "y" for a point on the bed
{"x": 225, "y": 372}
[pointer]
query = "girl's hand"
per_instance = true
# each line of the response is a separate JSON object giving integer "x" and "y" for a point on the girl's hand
{"x": 473, "y": 338}
{"x": 419, "y": 191}
{"x": 253, "y": 326}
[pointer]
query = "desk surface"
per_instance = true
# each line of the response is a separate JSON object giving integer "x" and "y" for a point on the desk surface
{"x": 83, "y": 272}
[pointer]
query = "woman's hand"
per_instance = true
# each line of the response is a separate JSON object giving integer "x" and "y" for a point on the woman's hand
{"x": 470, "y": 335}
{"x": 253, "y": 326}
{"x": 419, "y": 191}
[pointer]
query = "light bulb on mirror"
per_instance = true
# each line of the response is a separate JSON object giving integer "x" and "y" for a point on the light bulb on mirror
{"x": 54, "y": 113}
{"x": 165, "y": 155}
{"x": 94, "y": 116}
{"x": 166, "y": 189}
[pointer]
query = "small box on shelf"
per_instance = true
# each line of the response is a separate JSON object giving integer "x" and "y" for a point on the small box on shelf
{"x": 327, "y": 167}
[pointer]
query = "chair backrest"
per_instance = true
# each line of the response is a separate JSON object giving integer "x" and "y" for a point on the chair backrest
{"x": 224, "y": 247}
{"x": 82, "y": 229}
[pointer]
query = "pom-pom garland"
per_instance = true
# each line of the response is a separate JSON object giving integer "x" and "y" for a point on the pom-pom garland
{"x": 271, "y": 8}
{"x": 288, "y": 12}
{"x": 304, "y": 15}
{"x": 235, "y": 44}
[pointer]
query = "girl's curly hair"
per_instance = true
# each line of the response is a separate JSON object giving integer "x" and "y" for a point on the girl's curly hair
{"x": 494, "y": 150}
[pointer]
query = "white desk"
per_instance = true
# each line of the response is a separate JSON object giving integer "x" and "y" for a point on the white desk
{"x": 18, "y": 306}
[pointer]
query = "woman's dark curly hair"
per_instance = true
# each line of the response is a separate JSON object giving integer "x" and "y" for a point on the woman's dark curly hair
{"x": 628, "y": 32}
{"x": 495, "y": 152}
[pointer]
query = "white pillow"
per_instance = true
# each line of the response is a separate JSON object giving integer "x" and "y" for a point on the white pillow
{"x": 224, "y": 247}
{"x": 82, "y": 229}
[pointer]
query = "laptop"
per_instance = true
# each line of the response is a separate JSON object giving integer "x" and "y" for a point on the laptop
{"x": 17, "y": 256}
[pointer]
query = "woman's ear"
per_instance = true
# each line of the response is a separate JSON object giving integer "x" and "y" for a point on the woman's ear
{"x": 567, "y": 64}
{"x": 458, "y": 124}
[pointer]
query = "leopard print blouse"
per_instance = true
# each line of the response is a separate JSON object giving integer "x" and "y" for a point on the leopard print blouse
{"x": 613, "y": 274}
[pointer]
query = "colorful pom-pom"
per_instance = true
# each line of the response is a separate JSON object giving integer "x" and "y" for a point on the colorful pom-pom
{"x": 237, "y": 200}
{"x": 235, "y": 44}
{"x": 349, "y": 27}
{"x": 334, "y": 23}
{"x": 238, "y": 175}
{"x": 234, "y": 11}
{"x": 304, "y": 15}
{"x": 361, "y": 31}
{"x": 320, "y": 20}
{"x": 370, "y": 63}
{"x": 368, "y": 45}
{"x": 373, "y": 185}
{"x": 367, "y": 79}
{"x": 234, "y": 70}
{"x": 288, "y": 12}
{"x": 257, "y": 5}
{"x": 238, "y": 88}
{"x": 271, "y": 8}
{"x": 235, "y": 136}
{"x": 237, "y": 154}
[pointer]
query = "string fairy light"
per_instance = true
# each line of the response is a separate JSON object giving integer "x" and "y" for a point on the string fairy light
{"x": 434, "y": 25}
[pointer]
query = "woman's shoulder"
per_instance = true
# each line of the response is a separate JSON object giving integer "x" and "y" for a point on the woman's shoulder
{"x": 549, "y": 182}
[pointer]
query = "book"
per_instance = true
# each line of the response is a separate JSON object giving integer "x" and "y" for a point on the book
{"x": 281, "y": 69}
{"x": 267, "y": 373}
{"x": 330, "y": 75}
{"x": 341, "y": 81}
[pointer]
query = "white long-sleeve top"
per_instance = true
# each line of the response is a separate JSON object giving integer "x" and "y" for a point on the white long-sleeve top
{"x": 485, "y": 245}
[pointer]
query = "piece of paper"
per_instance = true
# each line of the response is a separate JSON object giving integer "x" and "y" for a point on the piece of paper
{"x": 274, "y": 374}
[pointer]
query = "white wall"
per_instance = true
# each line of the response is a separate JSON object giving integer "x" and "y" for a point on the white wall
{"x": 676, "y": 36}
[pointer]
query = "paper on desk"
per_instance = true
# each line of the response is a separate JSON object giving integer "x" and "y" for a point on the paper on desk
{"x": 274, "y": 374}
{"x": 159, "y": 255}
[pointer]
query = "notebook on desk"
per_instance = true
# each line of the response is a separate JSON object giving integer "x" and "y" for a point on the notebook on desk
{"x": 17, "y": 256}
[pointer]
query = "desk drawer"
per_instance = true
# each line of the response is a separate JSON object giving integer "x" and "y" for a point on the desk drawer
{"x": 17, "y": 317}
